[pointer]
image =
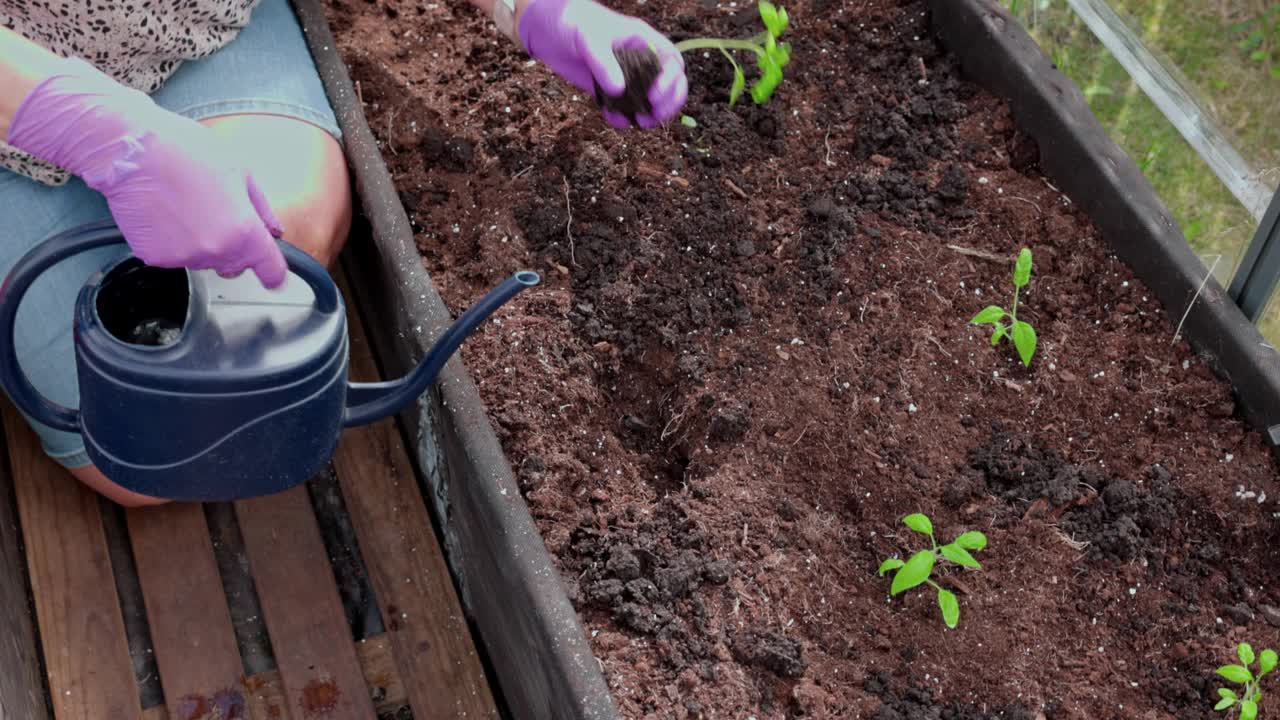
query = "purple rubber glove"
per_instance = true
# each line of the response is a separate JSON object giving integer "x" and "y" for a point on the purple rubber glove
{"x": 576, "y": 39}
{"x": 172, "y": 185}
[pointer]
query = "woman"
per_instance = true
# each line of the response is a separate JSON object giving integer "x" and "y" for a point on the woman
{"x": 205, "y": 134}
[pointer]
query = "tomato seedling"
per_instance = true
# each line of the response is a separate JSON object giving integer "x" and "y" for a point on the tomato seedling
{"x": 1022, "y": 334}
{"x": 916, "y": 571}
{"x": 1248, "y": 698}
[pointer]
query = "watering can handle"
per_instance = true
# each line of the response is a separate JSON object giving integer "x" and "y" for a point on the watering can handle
{"x": 75, "y": 241}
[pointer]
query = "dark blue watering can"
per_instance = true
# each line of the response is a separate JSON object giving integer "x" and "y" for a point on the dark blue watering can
{"x": 195, "y": 387}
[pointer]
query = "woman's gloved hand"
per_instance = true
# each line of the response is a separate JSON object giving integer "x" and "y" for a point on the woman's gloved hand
{"x": 576, "y": 39}
{"x": 174, "y": 188}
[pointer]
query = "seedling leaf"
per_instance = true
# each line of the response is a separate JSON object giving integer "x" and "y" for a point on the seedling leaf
{"x": 1022, "y": 270}
{"x": 688, "y": 121}
{"x": 1235, "y": 673}
{"x": 770, "y": 76}
{"x": 775, "y": 19}
{"x": 890, "y": 564}
{"x": 919, "y": 523}
{"x": 959, "y": 556}
{"x": 972, "y": 540}
{"x": 988, "y": 314}
{"x": 1024, "y": 338}
{"x": 782, "y": 54}
{"x": 950, "y": 608}
{"x": 997, "y": 335}
{"x": 1248, "y": 710}
{"x": 1229, "y": 695}
{"x": 769, "y": 14}
{"x": 1224, "y": 703}
{"x": 739, "y": 84}
{"x": 914, "y": 572}
{"x": 1267, "y": 661}
{"x": 1245, "y": 651}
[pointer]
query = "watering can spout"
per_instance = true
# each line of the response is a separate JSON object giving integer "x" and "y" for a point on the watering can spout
{"x": 370, "y": 402}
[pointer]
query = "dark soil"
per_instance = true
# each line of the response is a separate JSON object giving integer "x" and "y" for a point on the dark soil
{"x": 750, "y": 358}
{"x": 640, "y": 67}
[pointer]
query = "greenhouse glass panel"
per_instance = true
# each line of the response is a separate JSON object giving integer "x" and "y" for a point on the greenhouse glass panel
{"x": 1189, "y": 89}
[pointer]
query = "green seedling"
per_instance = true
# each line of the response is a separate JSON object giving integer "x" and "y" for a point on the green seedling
{"x": 1022, "y": 334}
{"x": 771, "y": 55}
{"x": 1247, "y": 700}
{"x": 917, "y": 570}
{"x": 641, "y": 67}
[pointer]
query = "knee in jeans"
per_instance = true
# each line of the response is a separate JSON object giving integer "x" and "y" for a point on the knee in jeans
{"x": 98, "y": 482}
{"x": 320, "y": 225}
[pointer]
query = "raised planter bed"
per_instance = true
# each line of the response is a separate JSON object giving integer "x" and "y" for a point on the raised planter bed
{"x": 751, "y": 358}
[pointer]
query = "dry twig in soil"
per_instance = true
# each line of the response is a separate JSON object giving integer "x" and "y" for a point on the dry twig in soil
{"x": 568, "y": 224}
{"x": 1177, "y": 334}
{"x": 971, "y": 252}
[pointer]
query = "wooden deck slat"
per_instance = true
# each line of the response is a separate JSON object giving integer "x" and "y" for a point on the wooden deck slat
{"x": 432, "y": 643}
{"x": 310, "y": 638}
{"x": 265, "y": 696}
{"x": 81, "y": 628}
{"x": 195, "y": 644}
{"x": 21, "y": 687}
{"x": 237, "y": 581}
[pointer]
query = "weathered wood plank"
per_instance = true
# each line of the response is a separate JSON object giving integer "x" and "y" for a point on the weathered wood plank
{"x": 311, "y": 640}
{"x": 195, "y": 644}
{"x": 81, "y": 629}
{"x": 21, "y": 688}
{"x": 429, "y": 635}
{"x": 265, "y": 694}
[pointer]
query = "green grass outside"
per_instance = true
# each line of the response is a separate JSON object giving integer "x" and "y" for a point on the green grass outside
{"x": 1229, "y": 52}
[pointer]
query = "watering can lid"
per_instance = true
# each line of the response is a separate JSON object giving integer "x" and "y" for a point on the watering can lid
{"x": 238, "y": 337}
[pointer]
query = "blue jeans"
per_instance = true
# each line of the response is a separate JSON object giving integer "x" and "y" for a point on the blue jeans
{"x": 267, "y": 69}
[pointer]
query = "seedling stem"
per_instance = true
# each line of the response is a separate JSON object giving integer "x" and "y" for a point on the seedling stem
{"x": 692, "y": 44}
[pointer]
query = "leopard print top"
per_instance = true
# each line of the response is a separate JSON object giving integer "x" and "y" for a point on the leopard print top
{"x": 140, "y": 43}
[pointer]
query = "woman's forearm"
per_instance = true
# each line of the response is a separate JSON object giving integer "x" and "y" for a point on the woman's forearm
{"x": 23, "y": 64}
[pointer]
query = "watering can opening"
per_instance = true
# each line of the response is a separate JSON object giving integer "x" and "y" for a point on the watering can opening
{"x": 143, "y": 305}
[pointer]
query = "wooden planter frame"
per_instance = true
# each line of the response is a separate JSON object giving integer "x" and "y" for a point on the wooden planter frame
{"x": 534, "y": 649}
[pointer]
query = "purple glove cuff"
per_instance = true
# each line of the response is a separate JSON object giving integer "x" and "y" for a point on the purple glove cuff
{"x": 539, "y": 19}
{"x": 549, "y": 38}
{"x": 180, "y": 197}
{"x": 56, "y": 125}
